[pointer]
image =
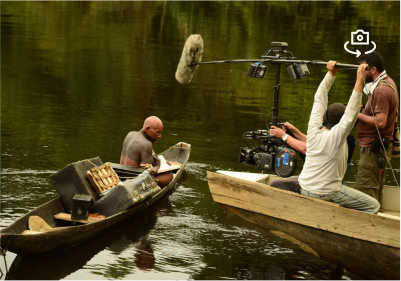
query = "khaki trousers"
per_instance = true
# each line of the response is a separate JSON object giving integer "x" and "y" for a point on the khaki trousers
{"x": 368, "y": 178}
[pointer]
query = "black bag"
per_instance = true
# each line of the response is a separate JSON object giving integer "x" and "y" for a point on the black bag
{"x": 377, "y": 146}
{"x": 80, "y": 207}
{"x": 114, "y": 201}
{"x": 126, "y": 195}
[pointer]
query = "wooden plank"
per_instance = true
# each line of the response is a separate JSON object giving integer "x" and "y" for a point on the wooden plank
{"x": 389, "y": 216}
{"x": 303, "y": 210}
{"x": 245, "y": 176}
{"x": 67, "y": 217}
{"x": 30, "y": 232}
{"x": 38, "y": 224}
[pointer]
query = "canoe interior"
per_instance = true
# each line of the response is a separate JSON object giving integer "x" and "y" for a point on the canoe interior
{"x": 178, "y": 153}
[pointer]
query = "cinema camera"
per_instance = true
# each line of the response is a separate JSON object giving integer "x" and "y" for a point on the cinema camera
{"x": 271, "y": 154}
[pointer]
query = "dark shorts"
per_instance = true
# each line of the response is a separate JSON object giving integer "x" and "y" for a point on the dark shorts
{"x": 290, "y": 184}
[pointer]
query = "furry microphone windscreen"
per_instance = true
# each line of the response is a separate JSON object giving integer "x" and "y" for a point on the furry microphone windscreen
{"x": 192, "y": 53}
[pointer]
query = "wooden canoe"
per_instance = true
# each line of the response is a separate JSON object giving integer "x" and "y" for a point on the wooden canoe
{"x": 362, "y": 243}
{"x": 63, "y": 237}
{"x": 117, "y": 239}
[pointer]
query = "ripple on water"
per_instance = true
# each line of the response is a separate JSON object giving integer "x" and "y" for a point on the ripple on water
{"x": 22, "y": 191}
{"x": 10, "y": 171}
{"x": 198, "y": 170}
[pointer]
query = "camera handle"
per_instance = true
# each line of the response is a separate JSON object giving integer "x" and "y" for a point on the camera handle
{"x": 276, "y": 96}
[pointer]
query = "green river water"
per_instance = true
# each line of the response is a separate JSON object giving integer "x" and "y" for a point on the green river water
{"x": 76, "y": 77}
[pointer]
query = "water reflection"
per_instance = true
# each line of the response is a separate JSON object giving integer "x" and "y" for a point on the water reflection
{"x": 144, "y": 257}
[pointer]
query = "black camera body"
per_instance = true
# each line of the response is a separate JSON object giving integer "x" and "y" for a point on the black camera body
{"x": 264, "y": 161}
{"x": 272, "y": 155}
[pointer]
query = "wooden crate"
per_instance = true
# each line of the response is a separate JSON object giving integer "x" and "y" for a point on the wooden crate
{"x": 102, "y": 178}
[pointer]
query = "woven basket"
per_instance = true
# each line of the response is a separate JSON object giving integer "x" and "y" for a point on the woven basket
{"x": 102, "y": 178}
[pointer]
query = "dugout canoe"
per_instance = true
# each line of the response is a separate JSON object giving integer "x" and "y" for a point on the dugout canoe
{"x": 63, "y": 237}
{"x": 116, "y": 239}
{"x": 362, "y": 243}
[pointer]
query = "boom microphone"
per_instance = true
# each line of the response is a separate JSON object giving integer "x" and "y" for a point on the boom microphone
{"x": 192, "y": 54}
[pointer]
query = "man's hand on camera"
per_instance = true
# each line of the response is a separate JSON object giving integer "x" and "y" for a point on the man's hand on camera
{"x": 276, "y": 132}
{"x": 331, "y": 67}
{"x": 288, "y": 127}
{"x": 360, "y": 73}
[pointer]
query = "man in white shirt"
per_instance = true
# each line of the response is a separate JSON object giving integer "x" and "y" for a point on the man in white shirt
{"x": 327, "y": 151}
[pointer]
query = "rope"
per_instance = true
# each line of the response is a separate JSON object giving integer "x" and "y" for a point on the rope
{"x": 179, "y": 147}
{"x": 3, "y": 253}
{"x": 91, "y": 162}
{"x": 5, "y": 262}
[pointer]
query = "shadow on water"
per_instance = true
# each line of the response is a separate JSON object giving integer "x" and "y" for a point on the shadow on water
{"x": 131, "y": 233}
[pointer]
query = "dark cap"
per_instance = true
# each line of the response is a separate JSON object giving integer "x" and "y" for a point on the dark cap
{"x": 333, "y": 115}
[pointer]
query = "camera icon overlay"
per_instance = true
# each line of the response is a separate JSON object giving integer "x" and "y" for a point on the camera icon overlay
{"x": 360, "y": 37}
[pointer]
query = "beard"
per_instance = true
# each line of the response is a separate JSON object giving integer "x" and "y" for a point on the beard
{"x": 368, "y": 77}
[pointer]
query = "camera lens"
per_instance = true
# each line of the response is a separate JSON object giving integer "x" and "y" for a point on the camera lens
{"x": 359, "y": 37}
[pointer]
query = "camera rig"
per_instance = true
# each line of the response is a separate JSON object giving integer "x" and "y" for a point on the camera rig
{"x": 273, "y": 153}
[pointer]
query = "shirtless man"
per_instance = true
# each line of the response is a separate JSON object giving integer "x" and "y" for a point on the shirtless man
{"x": 138, "y": 149}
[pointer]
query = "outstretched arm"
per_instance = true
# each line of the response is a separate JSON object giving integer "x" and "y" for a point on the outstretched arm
{"x": 344, "y": 127}
{"x": 321, "y": 99}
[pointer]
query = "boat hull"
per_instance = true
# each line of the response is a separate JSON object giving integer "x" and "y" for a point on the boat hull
{"x": 367, "y": 259}
{"x": 362, "y": 243}
{"x": 64, "y": 237}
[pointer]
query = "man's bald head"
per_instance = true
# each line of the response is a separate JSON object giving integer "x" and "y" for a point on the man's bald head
{"x": 153, "y": 127}
{"x": 152, "y": 121}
